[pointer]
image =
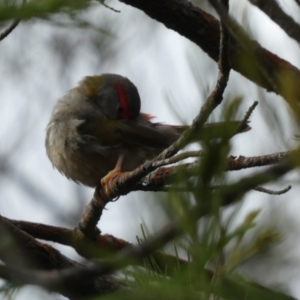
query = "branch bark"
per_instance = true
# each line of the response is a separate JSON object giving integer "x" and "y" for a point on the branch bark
{"x": 19, "y": 250}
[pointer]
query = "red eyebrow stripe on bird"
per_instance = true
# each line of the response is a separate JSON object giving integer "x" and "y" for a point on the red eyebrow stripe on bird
{"x": 123, "y": 101}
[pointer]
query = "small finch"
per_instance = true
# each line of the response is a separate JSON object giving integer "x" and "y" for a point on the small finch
{"x": 97, "y": 127}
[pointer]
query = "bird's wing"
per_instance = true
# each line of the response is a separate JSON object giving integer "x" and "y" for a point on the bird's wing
{"x": 133, "y": 133}
{"x": 107, "y": 133}
{"x": 110, "y": 133}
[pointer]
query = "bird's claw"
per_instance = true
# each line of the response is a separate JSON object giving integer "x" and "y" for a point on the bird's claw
{"x": 107, "y": 182}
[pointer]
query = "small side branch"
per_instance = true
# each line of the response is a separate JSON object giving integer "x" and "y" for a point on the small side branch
{"x": 272, "y": 192}
{"x": 157, "y": 180}
{"x": 232, "y": 192}
{"x": 246, "y": 117}
{"x": 242, "y": 162}
{"x": 8, "y": 30}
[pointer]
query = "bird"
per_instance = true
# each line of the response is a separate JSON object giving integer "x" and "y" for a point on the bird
{"x": 97, "y": 128}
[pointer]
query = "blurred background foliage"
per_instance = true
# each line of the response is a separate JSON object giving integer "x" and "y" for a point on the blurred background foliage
{"x": 55, "y": 46}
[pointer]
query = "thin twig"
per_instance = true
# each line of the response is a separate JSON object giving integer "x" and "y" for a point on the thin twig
{"x": 235, "y": 190}
{"x": 242, "y": 162}
{"x": 246, "y": 117}
{"x": 111, "y": 8}
{"x": 272, "y": 192}
{"x": 157, "y": 180}
{"x": 9, "y": 29}
{"x": 176, "y": 158}
{"x": 258, "y": 188}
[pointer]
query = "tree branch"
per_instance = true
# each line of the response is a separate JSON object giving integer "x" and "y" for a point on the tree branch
{"x": 76, "y": 280}
{"x": 20, "y": 250}
{"x": 204, "y": 30}
{"x": 272, "y": 9}
{"x": 5, "y": 33}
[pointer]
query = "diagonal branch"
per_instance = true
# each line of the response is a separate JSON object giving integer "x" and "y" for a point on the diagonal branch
{"x": 20, "y": 250}
{"x": 79, "y": 281}
{"x": 204, "y": 30}
{"x": 102, "y": 245}
{"x": 74, "y": 238}
{"x": 214, "y": 99}
{"x": 272, "y": 9}
{"x": 5, "y": 33}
